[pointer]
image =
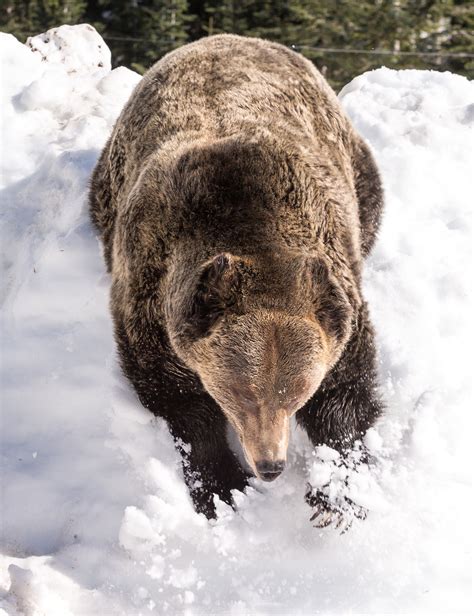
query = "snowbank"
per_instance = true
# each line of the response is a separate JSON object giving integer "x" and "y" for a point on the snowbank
{"x": 78, "y": 48}
{"x": 96, "y": 517}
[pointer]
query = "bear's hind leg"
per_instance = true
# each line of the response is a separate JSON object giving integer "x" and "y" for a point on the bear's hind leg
{"x": 369, "y": 193}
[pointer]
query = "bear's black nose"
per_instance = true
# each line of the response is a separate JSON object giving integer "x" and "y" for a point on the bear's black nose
{"x": 269, "y": 470}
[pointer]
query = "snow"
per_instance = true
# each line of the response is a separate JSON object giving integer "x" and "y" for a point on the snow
{"x": 78, "y": 48}
{"x": 96, "y": 516}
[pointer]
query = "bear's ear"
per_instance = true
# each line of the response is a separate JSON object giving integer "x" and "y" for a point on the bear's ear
{"x": 216, "y": 291}
{"x": 332, "y": 308}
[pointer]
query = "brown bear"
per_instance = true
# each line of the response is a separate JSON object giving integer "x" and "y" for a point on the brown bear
{"x": 236, "y": 204}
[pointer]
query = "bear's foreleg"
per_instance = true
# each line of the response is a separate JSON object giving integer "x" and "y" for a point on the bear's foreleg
{"x": 195, "y": 421}
{"x": 340, "y": 412}
{"x": 209, "y": 466}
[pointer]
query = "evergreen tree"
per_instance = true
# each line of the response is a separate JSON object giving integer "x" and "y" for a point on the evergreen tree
{"x": 28, "y": 17}
{"x": 50, "y": 13}
{"x": 164, "y": 27}
{"x": 223, "y": 16}
{"x": 459, "y": 37}
{"x": 141, "y": 31}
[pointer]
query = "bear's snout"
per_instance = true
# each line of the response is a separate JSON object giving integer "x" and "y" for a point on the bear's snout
{"x": 264, "y": 438}
{"x": 268, "y": 470}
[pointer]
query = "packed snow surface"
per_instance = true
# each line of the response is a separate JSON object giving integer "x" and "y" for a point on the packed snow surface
{"x": 96, "y": 517}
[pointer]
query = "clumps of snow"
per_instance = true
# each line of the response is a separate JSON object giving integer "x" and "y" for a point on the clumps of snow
{"x": 346, "y": 481}
{"x": 77, "y": 48}
{"x": 326, "y": 453}
{"x": 418, "y": 278}
{"x": 54, "y": 123}
{"x": 96, "y": 516}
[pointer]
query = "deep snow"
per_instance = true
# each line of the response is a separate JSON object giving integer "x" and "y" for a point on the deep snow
{"x": 96, "y": 517}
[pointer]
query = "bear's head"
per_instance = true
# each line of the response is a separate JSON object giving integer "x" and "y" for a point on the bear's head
{"x": 261, "y": 334}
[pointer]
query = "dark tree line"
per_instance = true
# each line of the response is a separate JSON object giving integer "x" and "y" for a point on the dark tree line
{"x": 140, "y": 31}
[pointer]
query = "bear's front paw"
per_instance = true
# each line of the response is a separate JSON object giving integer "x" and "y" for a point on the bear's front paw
{"x": 339, "y": 512}
{"x": 220, "y": 480}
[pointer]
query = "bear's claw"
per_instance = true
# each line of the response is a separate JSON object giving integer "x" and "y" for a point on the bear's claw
{"x": 339, "y": 514}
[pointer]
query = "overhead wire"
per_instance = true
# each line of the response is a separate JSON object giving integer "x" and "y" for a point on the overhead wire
{"x": 296, "y": 47}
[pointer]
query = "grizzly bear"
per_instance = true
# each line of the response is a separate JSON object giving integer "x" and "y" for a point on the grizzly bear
{"x": 236, "y": 204}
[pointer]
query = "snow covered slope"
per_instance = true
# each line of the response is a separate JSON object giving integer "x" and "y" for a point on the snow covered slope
{"x": 96, "y": 517}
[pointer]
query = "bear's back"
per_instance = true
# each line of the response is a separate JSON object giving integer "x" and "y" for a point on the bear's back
{"x": 229, "y": 137}
{"x": 225, "y": 85}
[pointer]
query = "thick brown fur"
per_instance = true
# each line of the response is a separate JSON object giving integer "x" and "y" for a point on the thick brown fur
{"x": 236, "y": 203}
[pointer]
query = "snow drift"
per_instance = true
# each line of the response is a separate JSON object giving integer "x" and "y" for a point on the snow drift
{"x": 96, "y": 516}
